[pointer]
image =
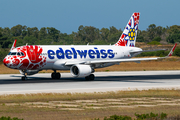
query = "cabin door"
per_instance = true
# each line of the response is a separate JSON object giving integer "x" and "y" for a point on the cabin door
{"x": 32, "y": 55}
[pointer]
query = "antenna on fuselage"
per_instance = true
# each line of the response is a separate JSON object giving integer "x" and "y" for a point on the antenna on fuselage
{"x": 26, "y": 44}
{"x": 87, "y": 43}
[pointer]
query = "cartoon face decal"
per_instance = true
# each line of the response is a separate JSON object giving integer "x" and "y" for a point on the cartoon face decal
{"x": 25, "y": 58}
{"x": 128, "y": 36}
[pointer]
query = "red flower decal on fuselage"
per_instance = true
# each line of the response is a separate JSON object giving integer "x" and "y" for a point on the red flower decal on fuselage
{"x": 31, "y": 60}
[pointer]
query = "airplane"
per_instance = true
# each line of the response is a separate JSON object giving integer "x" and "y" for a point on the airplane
{"x": 81, "y": 60}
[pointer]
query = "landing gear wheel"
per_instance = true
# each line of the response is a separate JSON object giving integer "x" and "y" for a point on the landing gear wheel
{"x": 23, "y": 78}
{"x": 55, "y": 75}
{"x": 58, "y": 75}
{"x": 87, "y": 78}
{"x": 90, "y": 77}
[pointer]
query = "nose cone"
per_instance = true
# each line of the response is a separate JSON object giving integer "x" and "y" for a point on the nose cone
{"x": 6, "y": 61}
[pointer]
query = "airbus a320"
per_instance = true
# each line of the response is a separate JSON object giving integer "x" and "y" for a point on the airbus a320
{"x": 81, "y": 60}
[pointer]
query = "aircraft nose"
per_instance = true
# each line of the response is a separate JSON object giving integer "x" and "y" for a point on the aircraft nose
{"x": 6, "y": 62}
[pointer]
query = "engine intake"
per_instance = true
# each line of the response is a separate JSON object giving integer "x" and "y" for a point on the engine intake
{"x": 80, "y": 70}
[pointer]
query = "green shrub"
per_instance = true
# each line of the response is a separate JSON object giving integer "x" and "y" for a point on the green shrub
{"x": 138, "y": 116}
{"x": 3, "y": 53}
{"x": 160, "y": 53}
{"x": 153, "y": 43}
{"x": 158, "y": 39}
{"x": 177, "y": 51}
{"x": 116, "y": 117}
{"x": 151, "y": 116}
{"x": 8, "y": 118}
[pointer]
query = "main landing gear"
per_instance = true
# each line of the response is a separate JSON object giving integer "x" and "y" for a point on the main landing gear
{"x": 55, "y": 75}
{"x": 23, "y": 78}
{"x": 90, "y": 77}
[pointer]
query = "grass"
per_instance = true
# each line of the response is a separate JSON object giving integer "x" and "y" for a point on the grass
{"x": 47, "y": 114}
{"x": 44, "y": 97}
{"x": 35, "y": 113}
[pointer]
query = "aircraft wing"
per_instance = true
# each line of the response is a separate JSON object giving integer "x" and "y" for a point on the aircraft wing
{"x": 112, "y": 61}
{"x": 120, "y": 60}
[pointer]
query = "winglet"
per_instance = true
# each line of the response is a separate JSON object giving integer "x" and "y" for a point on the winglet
{"x": 172, "y": 50}
{"x": 14, "y": 45}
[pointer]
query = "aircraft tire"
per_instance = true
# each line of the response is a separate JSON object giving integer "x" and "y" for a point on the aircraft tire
{"x": 58, "y": 75}
{"x": 53, "y": 75}
{"x": 87, "y": 78}
{"x": 23, "y": 78}
{"x": 90, "y": 77}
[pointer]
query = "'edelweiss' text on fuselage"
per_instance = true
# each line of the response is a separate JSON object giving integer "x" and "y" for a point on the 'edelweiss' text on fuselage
{"x": 69, "y": 54}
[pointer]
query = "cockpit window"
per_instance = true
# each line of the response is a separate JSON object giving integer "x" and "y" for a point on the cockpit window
{"x": 22, "y": 53}
{"x": 18, "y": 53}
{"x": 13, "y": 53}
{"x": 9, "y": 53}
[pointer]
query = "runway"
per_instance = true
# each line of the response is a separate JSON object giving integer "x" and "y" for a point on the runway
{"x": 104, "y": 81}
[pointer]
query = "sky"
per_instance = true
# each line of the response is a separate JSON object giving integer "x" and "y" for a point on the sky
{"x": 67, "y": 15}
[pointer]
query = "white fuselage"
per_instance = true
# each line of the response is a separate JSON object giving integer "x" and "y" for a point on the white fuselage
{"x": 55, "y": 56}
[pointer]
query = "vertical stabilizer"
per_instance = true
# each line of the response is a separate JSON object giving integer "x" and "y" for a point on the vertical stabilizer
{"x": 128, "y": 37}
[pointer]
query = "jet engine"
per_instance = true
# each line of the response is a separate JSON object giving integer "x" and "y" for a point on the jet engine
{"x": 29, "y": 72}
{"x": 81, "y": 70}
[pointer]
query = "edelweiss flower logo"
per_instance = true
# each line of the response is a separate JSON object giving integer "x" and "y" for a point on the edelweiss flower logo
{"x": 131, "y": 34}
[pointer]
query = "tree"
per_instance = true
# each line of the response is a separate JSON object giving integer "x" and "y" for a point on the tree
{"x": 104, "y": 32}
{"x": 151, "y": 31}
{"x": 32, "y": 31}
{"x": 54, "y": 33}
{"x": 24, "y": 31}
{"x": 16, "y": 30}
{"x": 42, "y": 33}
{"x": 158, "y": 39}
{"x": 174, "y": 34}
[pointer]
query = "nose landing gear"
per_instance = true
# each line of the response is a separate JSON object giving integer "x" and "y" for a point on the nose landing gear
{"x": 23, "y": 72}
{"x": 55, "y": 75}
